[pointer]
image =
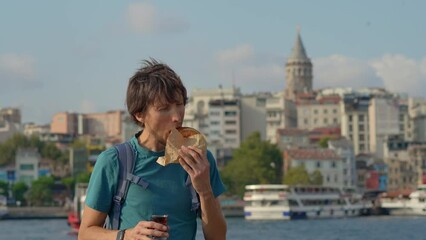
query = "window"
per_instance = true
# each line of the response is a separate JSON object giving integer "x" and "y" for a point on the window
{"x": 230, "y": 113}
{"x": 318, "y": 164}
{"x": 361, "y": 137}
{"x": 350, "y": 118}
{"x": 231, "y": 131}
{"x": 325, "y": 120}
{"x": 334, "y": 110}
{"x": 335, "y": 120}
{"x": 361, "y": 118}
{"x": 325, "y": 111}
{"x": 315, "y": 111}
{"x": 361, "y": 127}
{"x": 26, "y": 167}
{"x": 230, "y": 122}
{"x": 350, "y": 128}
{"x": 214, "y": 122}
{"x": 306, "y": 121}
{"x": 333, "y": 164}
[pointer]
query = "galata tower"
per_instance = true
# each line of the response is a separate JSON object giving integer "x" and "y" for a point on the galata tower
{"x": 298, "y": 70}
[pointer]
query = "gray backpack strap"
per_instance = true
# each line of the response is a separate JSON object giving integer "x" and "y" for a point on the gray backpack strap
{"x": 126, "y": 157}
{"x": 195, "y": 202}
{"x": 137, "y": 180}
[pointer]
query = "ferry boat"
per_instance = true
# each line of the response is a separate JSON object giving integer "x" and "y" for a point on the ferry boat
{"x": 413, "y": 203}
{"x": 74, "y": 216}
{"x": 283, "y": 202}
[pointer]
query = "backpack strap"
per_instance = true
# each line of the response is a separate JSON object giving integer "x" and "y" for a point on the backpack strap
{"x": 126, "y": 157}
{"x": 195, "y": 201}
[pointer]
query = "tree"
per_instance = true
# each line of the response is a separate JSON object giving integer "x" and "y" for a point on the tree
{"x": 40, "y": 193}
{"x": 69, "y": 183}
{"x": 83, "y": 177}
{"x": 297, "y": 176}
{"x": 4, "y": 188}
{"x": 323, "y": 142}
{"x": 316, "y": 178}
{"x": 19, "y": 189}
{"x": 255, "y": 162}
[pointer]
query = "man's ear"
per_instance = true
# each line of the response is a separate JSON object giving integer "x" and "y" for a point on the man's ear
{"x": 140, "y": 117}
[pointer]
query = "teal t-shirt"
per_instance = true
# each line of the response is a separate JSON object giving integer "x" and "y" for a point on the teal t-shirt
{"x": 166, "y": 193}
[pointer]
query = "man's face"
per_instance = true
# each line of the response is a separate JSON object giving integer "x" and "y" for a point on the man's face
{"x": 160, "y": 118}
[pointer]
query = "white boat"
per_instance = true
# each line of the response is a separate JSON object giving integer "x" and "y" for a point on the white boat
{"x": 403, "y": 204}
{"x": 3, "y": 207}
{"x": 282, "y": 202}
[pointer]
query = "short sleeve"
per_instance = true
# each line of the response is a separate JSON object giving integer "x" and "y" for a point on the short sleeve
{"x": 103, "y": 181}
{"x": 215, "y": 180}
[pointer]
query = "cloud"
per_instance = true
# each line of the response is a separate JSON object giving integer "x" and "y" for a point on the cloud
{"x": 250, "y": 71}
{"x": 144, "y": 18}
{"x": 18, "y": 72}
{"x": 401, "y": 74}
{"x": 342, "y": 71}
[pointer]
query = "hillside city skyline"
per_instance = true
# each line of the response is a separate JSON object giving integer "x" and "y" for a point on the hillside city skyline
{"x": 78, "y": 56}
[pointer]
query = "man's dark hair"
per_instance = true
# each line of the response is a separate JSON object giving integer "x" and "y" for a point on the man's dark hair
{"x": 154, "y": 82}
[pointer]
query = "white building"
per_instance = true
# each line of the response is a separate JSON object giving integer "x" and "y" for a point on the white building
{"x": 344, "y": 148}
{"x": 27, "y": 163}
{"x": 326, "y": 161}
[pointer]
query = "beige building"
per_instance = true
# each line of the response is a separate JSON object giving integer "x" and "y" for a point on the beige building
{"x": 383, "y": 115}
{"x": 253, "y": 114}
{"x": 417, "y": 155}
{"x": 401, "y": 170}
{"x": 280, "y": 113}
{"x": 355, "y": 121}
{"x": 105, "y": 125}
{"x": 318, "y": 111}
{"x": 64, "y": 123}
{"x": 11, "y": 115}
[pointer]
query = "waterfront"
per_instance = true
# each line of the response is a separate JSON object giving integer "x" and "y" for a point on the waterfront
{"x": 383, "y": 227}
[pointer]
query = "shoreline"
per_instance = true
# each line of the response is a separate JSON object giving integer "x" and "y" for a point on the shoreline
{"x": 27, "y": 213}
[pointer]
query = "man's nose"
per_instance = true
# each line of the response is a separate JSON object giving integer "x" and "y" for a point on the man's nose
{"x": 176, "y": 115}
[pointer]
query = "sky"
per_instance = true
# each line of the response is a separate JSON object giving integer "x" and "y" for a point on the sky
{"x": 77, "y": 56}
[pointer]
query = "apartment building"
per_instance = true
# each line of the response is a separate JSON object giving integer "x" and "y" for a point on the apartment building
{"x": 344, "y": 149}
{"x": 318, "y": 111}
{"x": 106, "y": 124}
{"x": 326, "y": 161}
{"x": 401, "y": 169}
{"x": 384, "y": 121}
{"x": 354, "y": 121}
{"x": 280, "y": 113}
{"x": 27, "y": 163}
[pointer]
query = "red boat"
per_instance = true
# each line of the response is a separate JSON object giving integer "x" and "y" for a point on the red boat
{"x": 74, "y": 217}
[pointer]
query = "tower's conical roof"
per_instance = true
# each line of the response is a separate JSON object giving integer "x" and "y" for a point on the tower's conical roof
{"x": 298, "y": 51}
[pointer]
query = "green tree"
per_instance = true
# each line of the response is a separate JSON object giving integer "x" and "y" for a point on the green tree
{"x": 40, "y": 193}
{"x": 323, "y": 142}
{"x": 316, "y": 178}
{"x": 297, "y": 176}
{"x": 83, "y": 177}
{"x": 255, "y": 162}
{"x": 4, "y": 188}
{"x": 19, "y": 189}
{"x": 69, "y": 183}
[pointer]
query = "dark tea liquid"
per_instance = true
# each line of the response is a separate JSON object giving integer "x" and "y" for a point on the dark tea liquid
{"x": 159, "y": 219}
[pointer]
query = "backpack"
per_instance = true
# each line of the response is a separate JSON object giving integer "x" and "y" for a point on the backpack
{"x": 127, "y": 157}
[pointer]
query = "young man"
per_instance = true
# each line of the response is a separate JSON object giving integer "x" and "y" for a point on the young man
{"x": 156, "y": 100}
